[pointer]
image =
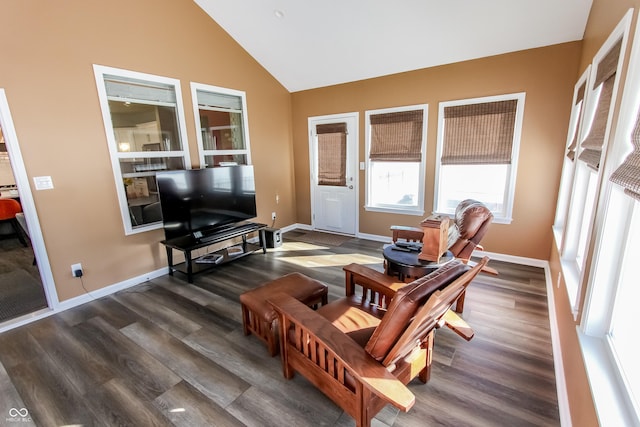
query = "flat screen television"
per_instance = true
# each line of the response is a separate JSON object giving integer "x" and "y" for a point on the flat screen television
{"x": 205, "y": 200}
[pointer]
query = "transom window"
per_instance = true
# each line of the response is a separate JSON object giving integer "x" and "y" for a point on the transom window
{"x": 478, "y": 142}
{"x": 144, "y": 123}
{"x": 395, "y": 144}
{"x": 221, "y": 116}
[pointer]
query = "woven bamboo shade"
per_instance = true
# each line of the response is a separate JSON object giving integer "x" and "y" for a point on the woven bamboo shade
{"x": 332, "y": 154}
{"x": 605, "y": 76}
{"x": 396, "y": 137}
{"x": 571, "y": 150}
{"x": 628, "y": 173}
{"x": 592, "y": 144}
{"x": 608, "y": 65}
{"x": 479, "y": 133}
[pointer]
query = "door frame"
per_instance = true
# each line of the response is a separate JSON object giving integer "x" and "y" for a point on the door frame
{"x": 352, "y": 154}
{"x": 29, "y": 209}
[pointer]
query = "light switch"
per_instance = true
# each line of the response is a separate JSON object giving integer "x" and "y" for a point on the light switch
{"x": 361, "y": 166}
{"x": 43, "y": 182}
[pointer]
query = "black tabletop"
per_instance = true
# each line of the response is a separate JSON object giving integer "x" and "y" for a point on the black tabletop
{"x": 409, "y": 258}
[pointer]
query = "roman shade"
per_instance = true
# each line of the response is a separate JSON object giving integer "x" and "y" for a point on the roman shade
{"x": 571, "y": 150}
{"x": 332, "y": 154}
{"x": 605, "y": 77}
{"x": 132, "y": 89}
{"x": 479, "y": 133}
{"x": 397, "y": 136}
{"x": 628, "y": 173}
{"x": 219, "y": 100}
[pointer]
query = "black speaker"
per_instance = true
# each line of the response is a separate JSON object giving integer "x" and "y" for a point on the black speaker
{"x": 273, "y": 237}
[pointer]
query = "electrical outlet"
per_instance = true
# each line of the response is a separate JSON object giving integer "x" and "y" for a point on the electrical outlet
{"x": 273, "y": 216}
{"x": 76, "y": 270}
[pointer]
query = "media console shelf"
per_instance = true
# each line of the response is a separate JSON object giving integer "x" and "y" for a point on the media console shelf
{"x": 189, "y": 243}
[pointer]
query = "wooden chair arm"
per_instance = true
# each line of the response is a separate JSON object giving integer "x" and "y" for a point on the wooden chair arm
{"x": 485, "y": 268}
{"x": 356, "y": 274}
{"x": 364, "y": 369}
{"x": 458, "y": 325}
{"x": 410, "y": 234}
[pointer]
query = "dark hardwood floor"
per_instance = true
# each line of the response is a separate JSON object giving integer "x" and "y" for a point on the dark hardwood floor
{"x": 169, "y": 353}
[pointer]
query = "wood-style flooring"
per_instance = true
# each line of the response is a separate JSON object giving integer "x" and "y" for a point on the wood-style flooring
{"x": 169, "y": 353}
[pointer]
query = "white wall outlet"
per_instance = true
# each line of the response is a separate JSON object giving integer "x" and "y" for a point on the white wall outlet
{"x": 273, "y": 216}
{"x": 76, "y": 270}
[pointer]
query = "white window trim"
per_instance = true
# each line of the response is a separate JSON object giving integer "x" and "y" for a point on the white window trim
{"x": 576, "y": 275}
{"x": 510, "y": 189}
{"x": 245, "y": 121}
{"x": 419, "y": 210}
{"x": 99, "y": 73}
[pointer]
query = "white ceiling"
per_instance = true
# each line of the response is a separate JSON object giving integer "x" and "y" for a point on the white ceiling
{"x": 307, "y": 44}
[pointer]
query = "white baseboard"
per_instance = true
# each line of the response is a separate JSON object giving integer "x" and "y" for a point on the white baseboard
{"x": 111, "y": 289}
{"x": 532, "y": 262}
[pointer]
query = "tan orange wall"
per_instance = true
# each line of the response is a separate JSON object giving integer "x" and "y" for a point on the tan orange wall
{"x": 47, "y": 51}
{"x": 547, "y": 75}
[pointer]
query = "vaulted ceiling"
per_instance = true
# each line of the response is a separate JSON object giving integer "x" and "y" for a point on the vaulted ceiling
{"x": 310, "y": 44}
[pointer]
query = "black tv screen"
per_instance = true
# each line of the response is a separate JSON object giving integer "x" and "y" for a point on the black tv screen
{"x": 205, "y": 199}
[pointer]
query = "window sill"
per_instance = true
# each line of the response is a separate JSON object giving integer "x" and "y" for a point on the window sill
{"x": 609, "y": 397}
{"x": 400, "y": 211}
{"x": 143, "y": 228}
{"x": 570, "y": 273}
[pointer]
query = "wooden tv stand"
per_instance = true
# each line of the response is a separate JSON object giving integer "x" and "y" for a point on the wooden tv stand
{"x": 187, "y": 244}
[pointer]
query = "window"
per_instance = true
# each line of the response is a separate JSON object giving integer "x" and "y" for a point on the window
{"x": 478, "y": 142}
{"x": 221, "y": 116}
{"x": 332, "y": 154}
{"x": 568, "y": 166}
{"x": 396, "y": 140}
{"x": 585, "y": 177}
{"x": 144, "y": 123}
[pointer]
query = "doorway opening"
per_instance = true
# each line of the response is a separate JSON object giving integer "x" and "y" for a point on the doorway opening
{"x": 25, "y": 275}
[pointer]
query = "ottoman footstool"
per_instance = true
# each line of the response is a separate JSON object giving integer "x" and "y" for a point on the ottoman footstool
{"x": 259, "y": 318}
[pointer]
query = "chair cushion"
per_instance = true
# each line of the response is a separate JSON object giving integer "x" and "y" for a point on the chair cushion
{"x": 405, "y": 304}
{"x": 354, "y": 317}
{"x": 9, "y": 208}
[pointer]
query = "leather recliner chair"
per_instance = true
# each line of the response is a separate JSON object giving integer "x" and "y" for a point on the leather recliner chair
{"x": 469, "y": 225}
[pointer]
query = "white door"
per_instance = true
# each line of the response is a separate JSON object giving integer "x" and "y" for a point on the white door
{"x": 333, "y": 144}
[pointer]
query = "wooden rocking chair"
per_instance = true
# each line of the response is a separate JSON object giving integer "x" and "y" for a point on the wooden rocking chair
{"x": 362, "y": 375}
